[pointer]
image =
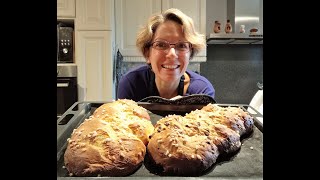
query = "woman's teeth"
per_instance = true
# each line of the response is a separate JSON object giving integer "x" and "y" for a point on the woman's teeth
{"x": 170, "y": 66}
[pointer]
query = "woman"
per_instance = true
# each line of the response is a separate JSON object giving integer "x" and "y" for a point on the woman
{"x": 168, "y": 41}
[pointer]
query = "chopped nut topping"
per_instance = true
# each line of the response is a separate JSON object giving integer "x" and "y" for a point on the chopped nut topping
{"x": 175, "y": 145}
{"x": 206, "y": 133}
{"x": 198, "y": 156}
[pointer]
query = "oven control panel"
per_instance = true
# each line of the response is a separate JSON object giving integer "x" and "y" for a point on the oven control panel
{"x": 65, "y": 44}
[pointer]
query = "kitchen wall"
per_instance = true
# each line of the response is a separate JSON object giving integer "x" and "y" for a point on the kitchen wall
{"x": 215, "y": 10}
{"x": 234, "y": 70}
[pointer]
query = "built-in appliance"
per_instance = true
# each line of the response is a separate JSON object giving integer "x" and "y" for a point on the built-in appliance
{"x": 65, "y": 43}
{"x": 67, "y": 91}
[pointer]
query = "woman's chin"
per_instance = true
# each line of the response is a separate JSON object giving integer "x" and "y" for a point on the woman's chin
{"x": 170, "y": 77}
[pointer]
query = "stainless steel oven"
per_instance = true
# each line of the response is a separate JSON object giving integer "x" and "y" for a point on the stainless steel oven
{"x": 67, "y": 91}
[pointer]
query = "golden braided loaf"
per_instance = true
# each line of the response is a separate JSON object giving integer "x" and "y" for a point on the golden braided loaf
{"x": 190, "y": 144}
{"x": 111, "y": 142}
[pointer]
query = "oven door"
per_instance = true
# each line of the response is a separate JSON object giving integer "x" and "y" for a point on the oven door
{"x": 67, "y": 94}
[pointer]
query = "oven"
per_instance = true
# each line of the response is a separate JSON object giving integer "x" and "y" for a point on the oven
{"x": 67, "y": 91}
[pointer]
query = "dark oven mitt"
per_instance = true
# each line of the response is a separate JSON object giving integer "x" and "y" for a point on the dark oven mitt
{"x": 194, "y": 99}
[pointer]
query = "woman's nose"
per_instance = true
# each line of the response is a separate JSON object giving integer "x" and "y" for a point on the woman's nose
{"x": 172, "y": 53}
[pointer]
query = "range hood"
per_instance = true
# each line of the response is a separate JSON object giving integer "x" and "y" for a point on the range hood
{"x": 241, "y": 12}
{"x": 235, "y": 39}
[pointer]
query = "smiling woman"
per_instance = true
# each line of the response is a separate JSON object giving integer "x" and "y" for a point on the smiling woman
{"x": 168, "y": 42}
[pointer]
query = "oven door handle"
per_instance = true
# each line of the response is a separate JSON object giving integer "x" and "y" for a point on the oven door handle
{"x": 62, "y": 84}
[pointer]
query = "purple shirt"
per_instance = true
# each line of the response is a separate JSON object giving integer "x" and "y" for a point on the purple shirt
{"x": 138, "y": 83}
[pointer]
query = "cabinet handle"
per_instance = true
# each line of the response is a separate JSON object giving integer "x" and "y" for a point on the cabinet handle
{"x": 62, "y": 84}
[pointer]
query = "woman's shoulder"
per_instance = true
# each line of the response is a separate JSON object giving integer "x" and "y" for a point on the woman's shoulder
{"x": 199, "y": 84}
{"x": 194, "y": 75}
{"x": 197, "y": 78}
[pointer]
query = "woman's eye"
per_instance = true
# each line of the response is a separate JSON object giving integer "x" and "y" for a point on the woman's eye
{"x": 161, "y": 45}
{"x": 181, "y": 45}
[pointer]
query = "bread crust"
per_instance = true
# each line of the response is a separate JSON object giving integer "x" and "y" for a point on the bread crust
{"x": 112, "y": 142}
{"x": 233, "y": 117}
{"x": 190, "y": 144}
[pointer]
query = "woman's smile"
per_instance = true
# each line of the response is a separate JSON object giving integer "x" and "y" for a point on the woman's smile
{"x": 170, "y": 66}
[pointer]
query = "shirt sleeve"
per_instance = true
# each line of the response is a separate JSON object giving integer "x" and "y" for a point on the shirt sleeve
{"x": 200, "y": 85}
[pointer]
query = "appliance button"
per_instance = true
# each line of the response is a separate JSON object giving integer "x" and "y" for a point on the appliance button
{"x": 65, "y": 50}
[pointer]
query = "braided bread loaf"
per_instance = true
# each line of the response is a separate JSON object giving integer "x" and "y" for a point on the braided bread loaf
{"x": 190, "y": 144}
{"x": 111, "y": 142}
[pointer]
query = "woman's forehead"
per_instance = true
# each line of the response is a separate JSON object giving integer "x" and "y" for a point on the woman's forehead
{"x": 169, "y": 29}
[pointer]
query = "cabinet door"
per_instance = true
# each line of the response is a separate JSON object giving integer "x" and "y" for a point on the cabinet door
{"x": 94, "y": 60}
{"x": 66, "y": 9}
{"x": 94, "y": 14}
{"x": 196, "y": 10}
{"x": 130, "y": 15}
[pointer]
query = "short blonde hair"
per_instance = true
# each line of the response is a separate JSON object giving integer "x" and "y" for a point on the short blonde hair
{"x": 146, "y": 33}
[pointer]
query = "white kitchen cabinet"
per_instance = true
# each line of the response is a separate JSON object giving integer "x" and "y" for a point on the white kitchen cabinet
{"x": 132, "y": 14}
{"x": 66, "y": 9}
{"x": 94, "y": 61}
{"x": 94, "y": 14}
{"x": 94, "y": 39}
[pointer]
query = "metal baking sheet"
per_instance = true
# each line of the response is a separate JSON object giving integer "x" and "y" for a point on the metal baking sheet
{"x": 247, "y": 163}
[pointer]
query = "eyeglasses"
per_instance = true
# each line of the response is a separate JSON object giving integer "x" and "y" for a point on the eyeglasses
{"x": 182, "y": 47}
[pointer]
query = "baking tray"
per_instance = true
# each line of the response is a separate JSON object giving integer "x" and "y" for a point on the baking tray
{"x": 247, "y": 163}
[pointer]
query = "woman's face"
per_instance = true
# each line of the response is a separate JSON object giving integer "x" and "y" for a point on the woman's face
{"x": 168, "y": 65}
